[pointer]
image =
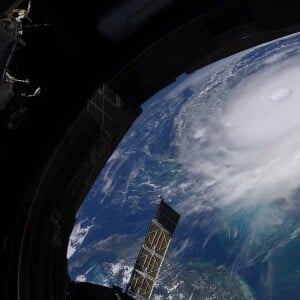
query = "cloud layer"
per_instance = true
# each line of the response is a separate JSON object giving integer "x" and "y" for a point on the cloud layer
{"x": 249, "y": 147}
{"x": 77, "y": 237}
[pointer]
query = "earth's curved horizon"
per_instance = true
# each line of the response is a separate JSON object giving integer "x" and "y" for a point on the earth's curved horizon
{"x": 223, "y": 146}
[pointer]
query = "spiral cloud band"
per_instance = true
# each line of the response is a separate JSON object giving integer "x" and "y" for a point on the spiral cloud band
{"x": 247, "y": 146}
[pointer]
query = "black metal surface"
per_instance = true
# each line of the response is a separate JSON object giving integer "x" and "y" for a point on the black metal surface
{"x": 89, "y": 291}
{"x": 7, "y": 46}
{"x": 167, "y": 216}
{"x": 7, "y": 5}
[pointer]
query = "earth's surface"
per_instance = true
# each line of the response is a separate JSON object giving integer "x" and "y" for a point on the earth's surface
{"x": 223, "y": 146}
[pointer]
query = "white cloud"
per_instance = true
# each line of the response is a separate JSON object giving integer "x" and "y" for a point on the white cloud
{"x": 184, "y": 244}
{"x": 81, "y": 278}
{"x": 77, "y": 237}
{"x": 249, "y": 148}
{"x": 118, "y": 271}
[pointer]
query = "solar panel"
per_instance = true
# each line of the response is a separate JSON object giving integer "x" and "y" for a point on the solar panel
{"x": 153, "y": 252}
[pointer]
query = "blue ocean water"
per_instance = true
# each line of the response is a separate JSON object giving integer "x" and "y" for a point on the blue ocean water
{"x": 233, "y": 251}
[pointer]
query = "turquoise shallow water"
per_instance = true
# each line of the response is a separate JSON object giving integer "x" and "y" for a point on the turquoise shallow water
{"x": 263, "y": 245}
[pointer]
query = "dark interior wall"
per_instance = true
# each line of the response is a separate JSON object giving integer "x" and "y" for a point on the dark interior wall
{"x": 7, "y": 5}
{"x": 69, "y": 59}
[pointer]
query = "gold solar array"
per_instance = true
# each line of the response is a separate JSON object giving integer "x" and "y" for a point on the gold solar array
{"x": 153, "y": 251}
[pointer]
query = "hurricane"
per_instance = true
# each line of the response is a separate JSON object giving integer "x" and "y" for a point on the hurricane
{"x": 249, "y": 148}
{"x": 222, "y": 144}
